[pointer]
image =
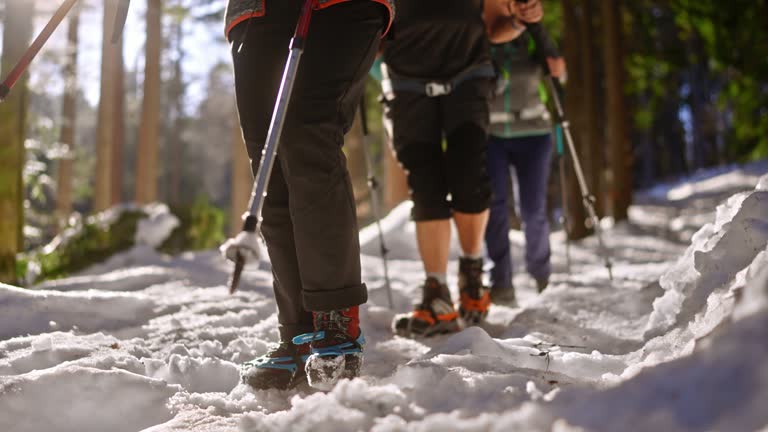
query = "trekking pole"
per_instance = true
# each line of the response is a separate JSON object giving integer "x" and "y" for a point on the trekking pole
{"x": 586, "y": 197}
{"x": 537, "y": 32}
{"x": 33, "y": 49}
{"x": 46, "y": 33}
{"x": 373, "y": 188}
{"x": 252, "y": 217}
{"x": 564, "y": 222}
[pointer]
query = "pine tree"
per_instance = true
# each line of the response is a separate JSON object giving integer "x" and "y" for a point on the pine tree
{"x": 118, "y": 131}
{"x": 149, "y": 129}
{"x": 17, "y": 31}
{"x": 106, "y": 117}
{"x": 619, "y": 147}
{"x": 68, "y": 122}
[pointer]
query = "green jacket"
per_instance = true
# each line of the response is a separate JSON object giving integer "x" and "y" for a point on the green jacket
{"x": 519, "y": 105}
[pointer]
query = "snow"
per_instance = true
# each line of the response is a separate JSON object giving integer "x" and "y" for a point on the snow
{"x": 156, "y": 227}
{"x": 714, "y": 181}
{"x": 675, "y": 342}
{"x": 718, "y": 251}
{"x": 95, "y": 400}
{"x": 30, "y": 312}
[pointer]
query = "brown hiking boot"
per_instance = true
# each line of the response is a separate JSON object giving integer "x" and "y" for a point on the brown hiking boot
{"x": 475, "y": 297}
{"x": 434, "y": 315}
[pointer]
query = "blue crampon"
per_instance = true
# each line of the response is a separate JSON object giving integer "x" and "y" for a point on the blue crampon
{"x": 352, "y": 347}
{"x": 265, "y": 362}
{"x": 281, "y": 368}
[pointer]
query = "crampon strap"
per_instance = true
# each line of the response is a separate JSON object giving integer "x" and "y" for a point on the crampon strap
{"x": 354, "y": 347}
{"x": 471, "y": 304}
{"x": 284, "y": 363}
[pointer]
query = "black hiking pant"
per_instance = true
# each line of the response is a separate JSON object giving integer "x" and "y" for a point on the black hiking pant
{"x": 441, "y": 143}
{"x": 309, "y": 216}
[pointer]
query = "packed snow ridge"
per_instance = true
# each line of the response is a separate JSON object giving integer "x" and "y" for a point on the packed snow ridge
{"x": 676, "y": 342}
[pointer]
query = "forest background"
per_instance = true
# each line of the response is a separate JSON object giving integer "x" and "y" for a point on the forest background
{"x": 657, "y": 89}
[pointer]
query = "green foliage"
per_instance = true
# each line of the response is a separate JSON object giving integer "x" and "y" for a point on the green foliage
{"x": 201, "y": 227}
{"x": 702, "y": 55}
{"x": 22, "y": 266}
{"x": 42, "y": 154}
{"x": 749, "y": 137}
{"x": 93, "y": 242}
{"x": 553, "y": 19}
{"x": 735, "y": 40}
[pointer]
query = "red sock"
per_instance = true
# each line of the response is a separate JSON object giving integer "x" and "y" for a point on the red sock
{"x": 354, "y": 325}
{"x": 351, "y": 313}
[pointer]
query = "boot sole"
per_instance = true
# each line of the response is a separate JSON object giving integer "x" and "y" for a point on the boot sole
{"x": 273, "y": 381}
{"x": 473, "y": 318}
{"x": 441, "y": 328}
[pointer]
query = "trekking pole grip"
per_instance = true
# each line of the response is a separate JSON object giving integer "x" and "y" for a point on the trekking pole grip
{"x": 302, "y": 29}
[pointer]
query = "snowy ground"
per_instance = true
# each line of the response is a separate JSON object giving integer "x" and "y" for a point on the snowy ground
{"x": 677, "y": 342}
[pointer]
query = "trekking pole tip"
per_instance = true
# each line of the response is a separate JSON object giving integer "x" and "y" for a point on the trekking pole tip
{"x": 234, "y": 282}
{"x": 608, "y": 265}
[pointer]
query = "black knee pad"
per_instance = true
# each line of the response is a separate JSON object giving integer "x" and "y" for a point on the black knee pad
{"x": 467, "y": 168}
{"x": 427, "y": 182}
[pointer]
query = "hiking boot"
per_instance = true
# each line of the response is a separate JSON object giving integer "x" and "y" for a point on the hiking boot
{"x": 475, "y": 299}
{"x": 503, "y": 296}
{"x": 434, "y": 315}
{"x": 281, "y": 368}
{"x": 542, "y": 283}
{"x": 336, "y": 347}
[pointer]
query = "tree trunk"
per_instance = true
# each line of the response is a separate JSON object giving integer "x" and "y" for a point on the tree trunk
{"x": 17, "y": 31}
{"x": 242, "y": 180}
{"x": 149, "y": 129}
{"x": 174, "y": 136}
{"x": 106, "y": 116}
{"x": 577, "y": 43}
{"x": 118, "y": 138}
{"x": 595, "y": 153}
{"x": 68, "y": 123}
{"x": 620, "y": 150}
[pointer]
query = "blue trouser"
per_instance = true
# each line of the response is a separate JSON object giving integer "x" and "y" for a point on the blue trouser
{"x": 530, "y": 156}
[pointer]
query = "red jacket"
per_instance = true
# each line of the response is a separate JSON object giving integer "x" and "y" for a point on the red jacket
{"x": 242, "y": 10}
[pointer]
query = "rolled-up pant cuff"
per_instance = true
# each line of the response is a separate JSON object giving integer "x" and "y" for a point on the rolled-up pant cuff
{"x": 342, "y": 298}
{"x": 289, "y": 331}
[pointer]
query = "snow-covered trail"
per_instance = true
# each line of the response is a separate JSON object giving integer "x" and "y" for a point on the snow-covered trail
{"x": 147, "y": 342}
